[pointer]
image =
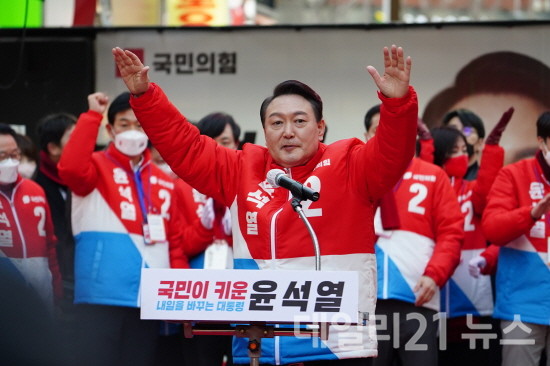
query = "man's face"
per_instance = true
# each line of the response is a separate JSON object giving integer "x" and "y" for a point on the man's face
{"x": 292, "y": 133}
{"x": 371, "y": 132}
{"x": 226, "y": 138}
{"x": 8, "y": 148}
{"x": 124, "y": 121}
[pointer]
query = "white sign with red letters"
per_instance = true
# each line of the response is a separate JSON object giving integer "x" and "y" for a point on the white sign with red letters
{"x": 249, "y": 295}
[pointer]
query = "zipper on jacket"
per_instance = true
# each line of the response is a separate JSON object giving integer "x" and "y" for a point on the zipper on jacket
{"x": 273, "y": 229}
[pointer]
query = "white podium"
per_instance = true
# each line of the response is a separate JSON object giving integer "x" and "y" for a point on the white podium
{"x": 249, "y": 303}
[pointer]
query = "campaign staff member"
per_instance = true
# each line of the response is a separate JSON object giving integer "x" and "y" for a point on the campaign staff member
{"x": 125, "y": 217}
{"x": 517, "y": 219}
{"x": 27, "y": 239}
{"x": 349, "y": 175}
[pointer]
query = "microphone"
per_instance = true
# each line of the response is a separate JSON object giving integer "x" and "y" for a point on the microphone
{"x": 278, "y": 178}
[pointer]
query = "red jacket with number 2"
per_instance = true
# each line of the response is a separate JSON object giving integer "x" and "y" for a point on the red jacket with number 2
{"x": 350, "y": 177}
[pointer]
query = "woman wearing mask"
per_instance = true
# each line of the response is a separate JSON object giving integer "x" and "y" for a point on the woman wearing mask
{"x": 468, "y": 300}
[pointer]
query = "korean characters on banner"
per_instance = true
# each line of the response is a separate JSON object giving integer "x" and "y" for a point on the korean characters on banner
{"x": 278, "y": 296}
{"x": 189, "y": 63}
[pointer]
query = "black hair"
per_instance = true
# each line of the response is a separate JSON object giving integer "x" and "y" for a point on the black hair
{"x": 498, "y": 72}
{"x": 543, "y": 125}
{"x": 120, "y": 104}
{"x": 295, "y": 87}
{"x": 371, "y": 113}
{"x": 52, "y": 128}
{"x": 445, "y": 139}
{"x": 213, "y": 124}
{"x": 5, "y": 129}
{"x": 27, "y": 147}
{"x": 467, "y": 118}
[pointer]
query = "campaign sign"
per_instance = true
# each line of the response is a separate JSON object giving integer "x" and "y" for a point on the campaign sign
{"x": 249, "y": 295}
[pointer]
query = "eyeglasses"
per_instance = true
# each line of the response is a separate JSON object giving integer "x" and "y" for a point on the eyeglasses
{"x": 15, "y": 154}
{"x": 467, "y": 131}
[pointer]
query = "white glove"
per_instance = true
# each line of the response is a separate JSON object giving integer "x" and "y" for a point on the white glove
{"x": 475, "y": 265}
{"x": 226, "y": 222}
{"x": 207, "y": 214}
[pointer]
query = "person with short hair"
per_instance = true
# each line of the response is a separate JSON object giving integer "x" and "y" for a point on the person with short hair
{"x": 349, "y": 175}
{"x": 371, "y": 120}
{"x": 516, "y": 219}
{"x": 54, "y": 131}
{"x": 419, "y": 236}
{"x": 27, "y": 239}
{"x": 125, "y": 217}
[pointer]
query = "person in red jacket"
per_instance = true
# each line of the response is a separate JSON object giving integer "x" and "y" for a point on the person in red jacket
{"x": 468, "y": 300}
{"x": 27, "y": 239}
{"x": 125, "y": 218}
{"x": 517, "y": 219}
{"x": 419, "y": 228}
{"x": 268, "y": 234}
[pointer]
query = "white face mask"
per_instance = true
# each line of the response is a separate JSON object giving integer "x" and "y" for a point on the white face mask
{"x": 8, "y": 171}
{"x": 27, "y": 169}
{"x": 131, "y": 143}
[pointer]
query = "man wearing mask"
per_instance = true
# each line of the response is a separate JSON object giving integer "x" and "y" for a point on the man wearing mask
{"x": 124, "y": 218}
{"x": 516, "y": 218}
{"x": 27, "y": 240}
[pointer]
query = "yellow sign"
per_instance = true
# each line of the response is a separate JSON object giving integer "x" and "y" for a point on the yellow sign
{"x": 197, "y": 12}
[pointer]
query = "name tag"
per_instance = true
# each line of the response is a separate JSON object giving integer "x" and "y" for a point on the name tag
{"x": 218, "y": 255}
{"x": 154, "y": 231}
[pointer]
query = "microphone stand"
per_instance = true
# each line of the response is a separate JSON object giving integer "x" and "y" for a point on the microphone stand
{"x": 297, "y": 206}
{"x": 258, "y": 330}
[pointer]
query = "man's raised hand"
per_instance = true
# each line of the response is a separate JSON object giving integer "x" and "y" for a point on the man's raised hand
{"x": 394, "y": 83}
{"x": 132, "y": 71}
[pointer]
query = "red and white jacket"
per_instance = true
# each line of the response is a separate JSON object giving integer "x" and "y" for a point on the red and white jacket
{"x": 523, "y": 271}
{"x": 464, "y": 294}
{"x": 429, "y": 238}
{"x": 268, "y": 234}
{"x": 27, "y": 239}
{"x": 196, "y": 237}
{"x": 108, "y": 221}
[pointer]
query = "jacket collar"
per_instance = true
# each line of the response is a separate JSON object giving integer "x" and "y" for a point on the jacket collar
{"x": 124, "y": 161}
{"x": 7, "y": 189}
{"x": 49, "y": 168}
{"x": 301, "y": 171}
